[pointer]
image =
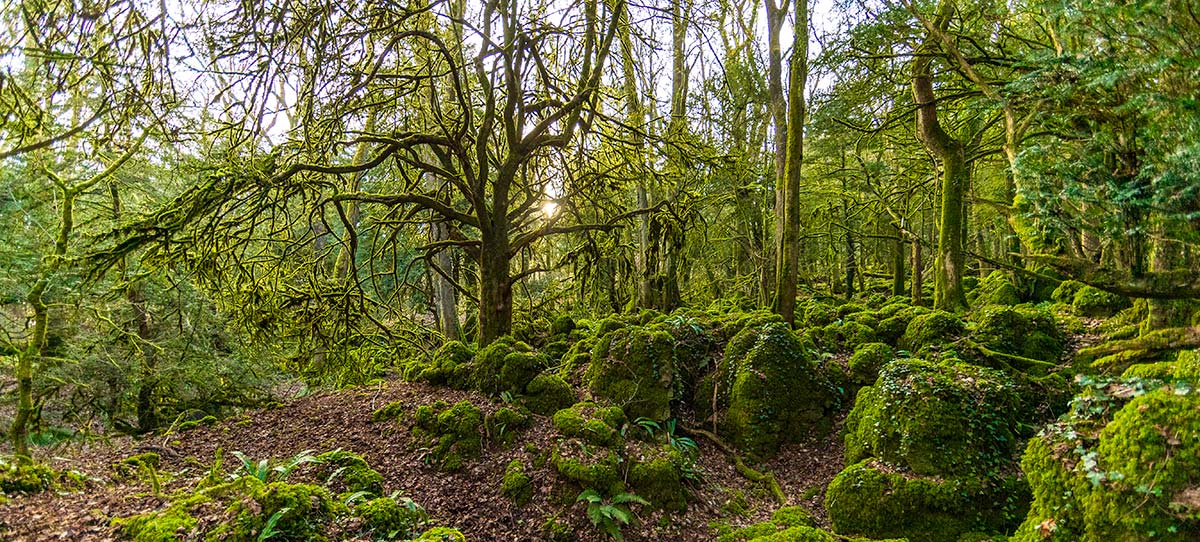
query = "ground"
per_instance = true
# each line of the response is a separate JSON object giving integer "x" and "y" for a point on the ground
{"x": 469, "y": 499}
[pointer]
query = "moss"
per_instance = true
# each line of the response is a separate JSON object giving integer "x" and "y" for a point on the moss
{"x": 451, "y": 366}
{"x": 852, "y": 333}
{"x": 135, "y": 464}
{"x": 1066, "y": 290}
{"x": 167, "y": 525}
{"x": 390, "y": 412}
{"x": 517, "y": 485}
{"x": 27, "y": 478}
{"x": 1090, "y": 301}
{"x": 935, "y": 418}
{"x": 492, "y": 373}
{"x": 597, "y": 468}
{"x": 351, "y": 470}
{"x": 390, "y": 519}
{"x": 749, "y": 532}
{"x": 504, "y": 425}
{"x": 867, "y": 499}
{"x": 591, "y": 423}
{"x": 656, "y": 477}
{"x": 451, "y": 432}
{"x": 441, "y": 534}
{"x": 995, "y": 289}
{"x": 300, "y": 510}
{"x": 815, "y": 314}
{"x": 867, "y": 360}
{"x": 633, "y": 368}
{"x": 562, "y": 325}
{"x": 798, "y": 534}
{"x": 931, "y": 332}
{"x": 765, "y": 369}
{"x": 793, "y": 516}
{"x": 1022, "y": 331}
{"x": 547, "y": 394}
{"x": 192, "y": 424}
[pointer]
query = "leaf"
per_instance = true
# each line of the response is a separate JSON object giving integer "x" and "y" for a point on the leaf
{"x": 588, "y": 495}
{"x": 623, "y": 498}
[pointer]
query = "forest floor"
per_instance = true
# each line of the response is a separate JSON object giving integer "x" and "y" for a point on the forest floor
{"x": 469, "y": 499}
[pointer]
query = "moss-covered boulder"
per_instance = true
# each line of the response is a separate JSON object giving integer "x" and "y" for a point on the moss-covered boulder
{"x": 655, "y": 475}
{"x": 517, "y": 485}
{"x": 775, "y": 391}
{"x": 874, "y": 500}
{"x": 18, "y": 477}
{"x": 452, "y": 433}
{"x": 1065, "y": 291}
{"x": 1137, "y": 479}
{"x": 548, "y": 393}
{"x": 931, "y": 332}
{"x": 633, "y": 368}
{"x": 1091, "y": 301}
{"x": 450, "y": 366}
{"x": 995, "y": 289}
{"x": 350, "y": 472}
{"x": 592, "y": 423}
{"x": 507, "y": 365}
{"x": 589, "y": 466}
{"x": 167, "y": 525}
{"x": 387, "y": 518}
{"x": 935, "y": 418}
{"x": 1023, "y": 331}
{"x": 298, "y": 512}
{"x": 441, "y": 534}
{"x": 867, "y": 361}
{"x": 505, "y": 423}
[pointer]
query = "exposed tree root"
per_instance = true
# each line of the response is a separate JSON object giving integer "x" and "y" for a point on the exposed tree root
{"x": 745, "y": 470}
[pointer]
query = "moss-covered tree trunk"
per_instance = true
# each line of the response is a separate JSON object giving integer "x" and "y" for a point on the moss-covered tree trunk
{"x": 777, "y": 107}
{"x": 787, "y": 272}
{"x": 951, "y": 153}
{"x": 918, "y": 273}
{"x": 898, "y": 254}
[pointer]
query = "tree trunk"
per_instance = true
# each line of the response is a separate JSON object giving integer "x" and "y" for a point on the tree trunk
{"x": 777, "y": 107}
{"x": 898, "y": 277}
{"x": 495, "y": 287}
{"x": 918, "y": 272}
{"x": 948, "y": 290}
{"x": 788, "y": 249}
{"x": 444, "y": 295}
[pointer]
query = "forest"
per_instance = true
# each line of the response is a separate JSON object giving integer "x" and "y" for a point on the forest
{"x": 593, "y": 270}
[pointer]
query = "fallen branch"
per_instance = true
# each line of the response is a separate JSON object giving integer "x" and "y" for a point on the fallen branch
{"x": 1115, "y": 354}
{"x": 745, "y": 470}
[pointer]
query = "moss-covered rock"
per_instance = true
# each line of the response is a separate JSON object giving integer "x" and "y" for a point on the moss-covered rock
{"x": 16, "y": 477}
{"x": 441, "y": 534}
{"x": 517, "y": 485}
{"x": 562, "y": 325}
{"x": 931, "y": 332}
{"x": 633, "y": 368}
{"x": 1022, "y": 331}
{"x": 450, "y": 366}
{"x": 1065, "y": 291}
{"x": 995, "y": 289}
{"x": 350, "y": 471}
{"x": 591, "y": 423}
{"x": 548, "y": 393}
{"x": 776, "y": 393}
{"x": 507, "y": 365}
{"x": 871, "y": 499}
{"x": 589, "y": 466}
{"x": 867, "y": 361}
{"x": 655, "y": 475}
{"x": 168, "y": 525}
{"x": 935, "y": 418}
{"x": 504, "y": 424}
{"x": 1137, "y": 480}
{"x": 1090, "y": 301}
{"x": 453, "y": 433}
{"x": 299, "y": 512}
{"x": 387, "y": 518}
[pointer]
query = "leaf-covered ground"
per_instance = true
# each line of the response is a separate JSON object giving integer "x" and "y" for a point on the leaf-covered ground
{"x": 469, "y": 499}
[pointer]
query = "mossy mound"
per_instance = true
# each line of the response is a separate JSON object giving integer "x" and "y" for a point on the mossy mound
{"x": 871, "y": 499}
{"x": 656, "y": 476}
{"x": 995, "y": 289}
{"x": 775, "y": 391}
{"x": 517, "y": 485}
{"x": 1185, "y": 367}
{"x": 935, "y": 418}
{"x": 298, "y": 512}
{"x": 787, "y": 524}
{"x": 633, "y": 368}
{"x": 387, "y": 518}
{"x": 931, "y": 332}
{"x": 507, "y": 365}
{"x": 589, "y": 466}
{"x": 1136, "y": 479}
{"x": 350, "y": 471}
{"x": 451, "y": 366}
{"x": 504, "y": 424}
{"x": 867, "y": 361}
{"x": 1023, "y": 331}
{"x": 453, "y": 433}
{"x": 548, "y": 393}
{"x": 594, "y": 424}
{"x": 167, "y": 525}
{"x": 441, "y": 534}
{"x": 17, "y": 477}
{"x": 1065, "y": 291}
{"x": 1090, "y": 301}
{"x": 815, "y": 313}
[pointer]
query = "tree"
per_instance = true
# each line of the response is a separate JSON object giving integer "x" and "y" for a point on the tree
{"x": 787, "y": 272}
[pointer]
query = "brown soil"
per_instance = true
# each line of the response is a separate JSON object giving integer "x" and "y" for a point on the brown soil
{"x": 469, "y": 499}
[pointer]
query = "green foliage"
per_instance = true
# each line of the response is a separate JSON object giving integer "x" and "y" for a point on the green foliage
{"x": 610, "y": 515}
{"x": 265, "y": 470}
{"x": 504, "y": 424}
{"x": 517, "y": 485}
{"x": 936, "y": 418}
{"x": 351, "y": 471}
{"x": 170, "y": 525}
{"x": 441, "y": 534}
{"x": 29, "y": 477}
{"x": 633, "y": 368}
{"x": 1089, "y": 301}
{"x": 390, "y": 518}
